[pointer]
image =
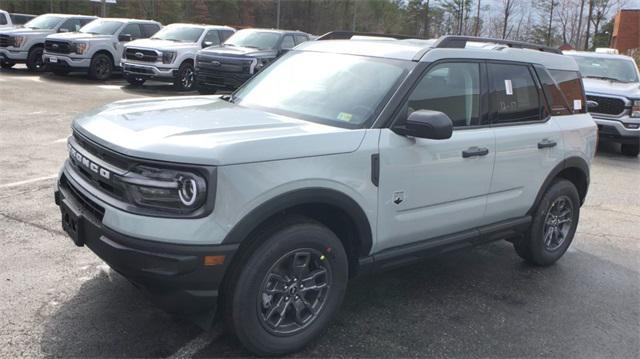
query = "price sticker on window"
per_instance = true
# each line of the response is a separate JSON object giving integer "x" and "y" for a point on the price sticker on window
{"x": 508, "y": 87}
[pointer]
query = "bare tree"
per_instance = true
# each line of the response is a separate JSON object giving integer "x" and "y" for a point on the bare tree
{"x": 508, "y": 6}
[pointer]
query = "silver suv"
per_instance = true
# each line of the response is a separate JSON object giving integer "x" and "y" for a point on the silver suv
{"x": 26, "y": 44}
{"x": 96, "y": 47}
{"x": 342, "y": 157}
{"x": 612, "y": 83}
{"x": 169, "y": 55}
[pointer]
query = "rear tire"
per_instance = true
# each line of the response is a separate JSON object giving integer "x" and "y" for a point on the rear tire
{"x": 35, "y": 63}
{"x": 101, "y": 67}
{"x": 299, "y": 269}
{"x": 7, "y": 64}
{"x": 553, "y": 226}
{"x": 186, "y": 78}
{"x": 631, "y": 150}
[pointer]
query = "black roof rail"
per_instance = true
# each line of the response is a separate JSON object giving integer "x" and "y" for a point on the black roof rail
{"x": 459, "y": 42}
{"x": 346, "y": 35}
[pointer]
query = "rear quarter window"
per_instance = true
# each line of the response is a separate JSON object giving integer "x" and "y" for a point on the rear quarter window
{"x": 570, "y": 84}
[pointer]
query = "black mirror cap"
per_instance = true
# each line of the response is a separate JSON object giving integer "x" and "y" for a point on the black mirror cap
{"x": 433, "y": 125}
{"x": 125, "y": 37}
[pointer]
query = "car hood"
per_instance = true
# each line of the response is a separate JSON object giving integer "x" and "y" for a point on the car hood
{"x": 236, "y": 51}
{"x": 606, "y": 87}
{"x": 23, "y": 31}
{"x": 78, "y": 36}
{"x": 161, "y": 44}
{"x": 209, "y": 131}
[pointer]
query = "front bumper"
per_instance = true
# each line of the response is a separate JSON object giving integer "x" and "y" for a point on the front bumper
{"x": 174, "y": 276}
{"x": 12, "y": 55}
{"x": 65, "y": 61}
{"x": 616, "y": 131}
{"x": 148, "y": 71}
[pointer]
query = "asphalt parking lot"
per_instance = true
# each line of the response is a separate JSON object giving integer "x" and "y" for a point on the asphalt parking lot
{"x": 60, "y": 300}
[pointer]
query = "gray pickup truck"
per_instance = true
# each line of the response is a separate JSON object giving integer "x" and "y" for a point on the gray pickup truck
{"x": 612, "y": 84}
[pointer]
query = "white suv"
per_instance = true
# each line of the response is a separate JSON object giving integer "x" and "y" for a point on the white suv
{"x": 96, "y": 47}
{"x": 169, "y": 55}
{"x": 340, "y": 158}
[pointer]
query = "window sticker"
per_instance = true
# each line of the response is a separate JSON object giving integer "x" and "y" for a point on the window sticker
{"x": 577, "y": 105}
{"x": 508, "y": 87}
{"x": 346, "y": 117}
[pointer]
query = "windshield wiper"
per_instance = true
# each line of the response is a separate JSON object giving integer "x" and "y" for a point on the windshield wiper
{"x": 606, "y": 78}
{"x": 229, "y": 98}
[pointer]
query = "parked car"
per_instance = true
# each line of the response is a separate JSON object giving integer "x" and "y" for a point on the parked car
{"x": 612, "y": 83}
{"x": 96, "y": 47}
{"x": 229, "y": 65}
{"x": 170, "y": 54}
{"x": 5, "y": 20}
{"x": 26, "y": 44}
{"x": 20, "y": 19}
{"x": 340, "y": 158}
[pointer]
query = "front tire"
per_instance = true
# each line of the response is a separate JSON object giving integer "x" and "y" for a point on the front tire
{"x": 101, "y": 67}
{"x": 35, "y": 63}
{"x": 288, "y": 289}
{"x": 553, "y": 226}
{"x": 186, "y": 77}
{"x": 631, "y": 150}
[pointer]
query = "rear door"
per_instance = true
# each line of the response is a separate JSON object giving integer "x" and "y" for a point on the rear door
{"x": 429, "y": 188}
{"x": 528, "y": 140}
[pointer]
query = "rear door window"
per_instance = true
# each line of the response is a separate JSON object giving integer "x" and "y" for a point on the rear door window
{"x": 287, "y": 42}
{"x": 225, "y": 34}
{"x": 3, "y": 19}
{"x": 514, "y": 95}
{"x": 71, "y": 25}
{"x": 149, "y": 30}
{"x": 300, "y": 39}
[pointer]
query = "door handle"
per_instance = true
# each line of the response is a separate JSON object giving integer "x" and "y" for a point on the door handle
{"x": 546, "y": 143}
{"x": 475, "y": 151}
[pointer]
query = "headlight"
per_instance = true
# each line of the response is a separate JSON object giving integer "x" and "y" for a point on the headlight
{"x": 168, "y": 57}
{"x": 80, "y": 47}
{"x": 18, "y": 41}
{"x": 635, "y": 110}
{"x": 163, "y": 189}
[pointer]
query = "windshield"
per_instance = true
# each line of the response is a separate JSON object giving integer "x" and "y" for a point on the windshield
{"x": 101, "y": 27}
{"x": 257, "y": 39}
{"x": 44, "y": 22}
{"x": 621, "y": 70}
{"x": 342, "y": 90}
{"x": 179, "y": 33}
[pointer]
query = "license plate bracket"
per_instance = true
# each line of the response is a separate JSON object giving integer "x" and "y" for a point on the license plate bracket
{"x": 53, "y": 59}
{"x": 72, "y": 222}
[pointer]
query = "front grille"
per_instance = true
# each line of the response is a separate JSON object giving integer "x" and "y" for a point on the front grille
{"x": 110, "y": 157}
{"x": 88, "y": 206}
{"x": 58, "y": 47}
{"x": 5, "y": 41}
{"x": 607, "y": 105}
{"x": 141, "y": 55}
{"x": 216, "y": 64}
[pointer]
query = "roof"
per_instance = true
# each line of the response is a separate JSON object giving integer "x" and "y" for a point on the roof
{"x": 279, "y": 31}
{"x": 597, "y": 54}
{"x": 428, "y": 51}
{"x": 204, "y": 26}
{"x": 67, "y": 15}
{"x": 128, "y": 20}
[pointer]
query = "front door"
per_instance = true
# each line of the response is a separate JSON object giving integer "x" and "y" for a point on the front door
{"x": 429, "y": 188}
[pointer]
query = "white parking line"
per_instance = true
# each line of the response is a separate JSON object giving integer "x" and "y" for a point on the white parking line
{"x": 20, "y": 183}
{"x": 195, "y": 345}
{"x": 110, "y": 87}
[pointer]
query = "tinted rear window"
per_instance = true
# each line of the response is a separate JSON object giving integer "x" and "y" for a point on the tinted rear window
{"x": 570, "y": 84}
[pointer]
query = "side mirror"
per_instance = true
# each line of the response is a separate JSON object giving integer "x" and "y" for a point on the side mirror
{"x": 429, "y": 124}
{"x": 63, "y": 30}
{"x": 125, "y": 37}
{"x": 207, "y": 44}
{"x": 592, "y": 104}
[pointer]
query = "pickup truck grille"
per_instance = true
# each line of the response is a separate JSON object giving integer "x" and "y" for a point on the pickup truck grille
{"x": 58, "y": 47}
{"x": 141, "y": 55}
{"x": 5, "y": 41}
{"x": 220, "y": 64}
{"x": 607, "y": 105}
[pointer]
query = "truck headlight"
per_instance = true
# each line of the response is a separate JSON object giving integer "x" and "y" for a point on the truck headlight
{"x": 635, "y": 109}
{"x": 168, "y": 57}
{"x": 18, "y": 41}
{"x": 80, "y": 47}
{"x": 165, "y": 189}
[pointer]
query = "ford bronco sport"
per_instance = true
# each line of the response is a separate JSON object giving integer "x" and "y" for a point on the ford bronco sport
{"x": 169, "y": 55}
{"x": 612, "y": 84}
{"x": 96, "y": 48}
{"x": 260, "y": 205}
{"x": 229, "y": 65}
{"x": 26, "y": 44}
